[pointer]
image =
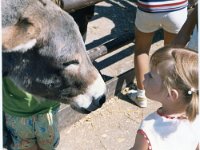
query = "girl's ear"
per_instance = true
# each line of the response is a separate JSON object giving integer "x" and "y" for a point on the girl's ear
{"x": 173, "y": 95}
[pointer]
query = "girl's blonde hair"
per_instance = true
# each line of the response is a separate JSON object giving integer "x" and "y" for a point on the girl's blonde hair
{"x": 181, "y": 72}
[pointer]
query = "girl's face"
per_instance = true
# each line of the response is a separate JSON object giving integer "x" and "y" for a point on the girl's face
{"x": 153, "y": 86}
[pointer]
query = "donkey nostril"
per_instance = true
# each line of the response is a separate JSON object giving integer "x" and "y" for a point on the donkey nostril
{"x": 102, "y": 100}
{"x": 96, "y": 103}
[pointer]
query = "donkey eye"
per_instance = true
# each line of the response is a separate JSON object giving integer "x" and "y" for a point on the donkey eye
{"x": 72, "y": 62}
{"x": 24, "y": 21}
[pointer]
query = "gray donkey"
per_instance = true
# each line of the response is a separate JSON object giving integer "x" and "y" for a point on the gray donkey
{"x": 44, "y": 54}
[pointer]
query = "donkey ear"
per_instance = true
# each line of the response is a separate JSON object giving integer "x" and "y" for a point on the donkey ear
{"x": 19, "y": 37}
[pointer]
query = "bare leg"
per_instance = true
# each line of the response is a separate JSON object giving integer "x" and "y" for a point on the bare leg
{"x": 141, "y": 60}
{"x": 169, "y": 37}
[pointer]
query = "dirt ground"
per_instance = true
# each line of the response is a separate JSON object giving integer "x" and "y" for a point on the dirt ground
{"x": 113, "y": 127}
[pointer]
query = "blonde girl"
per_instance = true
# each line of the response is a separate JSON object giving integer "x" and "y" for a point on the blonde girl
{"x": 172, "y": 81}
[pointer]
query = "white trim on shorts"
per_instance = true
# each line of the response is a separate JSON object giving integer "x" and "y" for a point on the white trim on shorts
{"x": 168, "y": 21}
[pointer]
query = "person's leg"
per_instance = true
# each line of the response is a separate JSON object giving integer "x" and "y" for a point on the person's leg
{"x": 141, "y": 59}
{"x": 141, "y": 62}
{"x": 47, "y": 132}
{"x": 171, "y": 25}
{"x": 22, "y": 132}
{"x": 169, "y": 37}
{"x": 145, "y": 26}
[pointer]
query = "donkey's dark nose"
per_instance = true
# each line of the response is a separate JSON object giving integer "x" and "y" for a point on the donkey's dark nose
{"x": 96, "y": 103}
{"x": 101, "y": 100}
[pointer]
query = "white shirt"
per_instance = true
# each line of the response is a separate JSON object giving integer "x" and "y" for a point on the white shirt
{"x": 171, "y": 134}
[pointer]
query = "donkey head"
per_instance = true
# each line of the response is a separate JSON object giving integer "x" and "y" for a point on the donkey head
{"x": 44, "y": 54}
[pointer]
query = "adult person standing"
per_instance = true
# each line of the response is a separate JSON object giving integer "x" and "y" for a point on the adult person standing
{"x": 151, "y": 15}
{"x": 188, "y": 35}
